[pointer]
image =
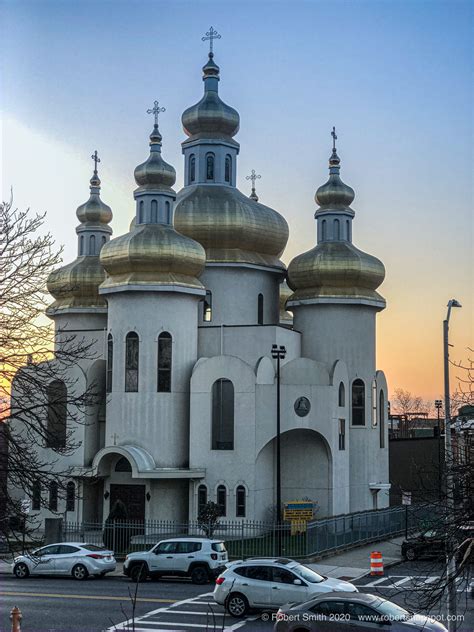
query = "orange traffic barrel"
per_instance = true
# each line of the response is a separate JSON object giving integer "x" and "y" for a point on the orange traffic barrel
{"x": 376, "y": 563}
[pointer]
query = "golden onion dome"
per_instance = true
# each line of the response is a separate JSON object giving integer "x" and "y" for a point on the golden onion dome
{"x": 155, "y": 173}
{"x": 211, "y": 117}
{"x": 94, "y": 211}
{"x": 334, "y": 193}
{"x": 76, "y": 285}
{"x": 231, "y": 227}
{"x": 153, "y": 254}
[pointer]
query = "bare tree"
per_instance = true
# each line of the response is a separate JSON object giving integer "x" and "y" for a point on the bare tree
{"x": 38, "y": 389}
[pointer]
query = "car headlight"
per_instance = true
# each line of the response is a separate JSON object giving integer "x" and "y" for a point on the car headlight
{"x": 126, "y": 557}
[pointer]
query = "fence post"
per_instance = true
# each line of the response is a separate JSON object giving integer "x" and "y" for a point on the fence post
{"x": 16, "y": 616}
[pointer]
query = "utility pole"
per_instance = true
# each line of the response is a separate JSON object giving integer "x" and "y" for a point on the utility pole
{"x": 439, "y": 405}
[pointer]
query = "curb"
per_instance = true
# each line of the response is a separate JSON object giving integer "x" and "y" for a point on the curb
{"x": 388, "y": 565}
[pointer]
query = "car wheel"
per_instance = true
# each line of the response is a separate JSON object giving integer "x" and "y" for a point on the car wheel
{"x": 237, "y": 605}
{"x": 199, "y": 575}
{"x": 138, "y": 573}
{"x": 80, "y": 572}
{"x": 21, "y": 571}
{"x": 410, "y": 554}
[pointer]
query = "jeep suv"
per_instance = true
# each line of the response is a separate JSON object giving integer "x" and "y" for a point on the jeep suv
{"x": 198, "y": 558}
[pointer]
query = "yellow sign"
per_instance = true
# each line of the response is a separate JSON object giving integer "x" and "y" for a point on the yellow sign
{"x": 299, "y": 511}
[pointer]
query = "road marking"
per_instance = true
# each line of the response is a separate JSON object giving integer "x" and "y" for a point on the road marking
{"x": 402, "y": 581}
{"x": 431, "y": 580}
{"x": 377, "y": 581}
{"x": 93, "y": 597}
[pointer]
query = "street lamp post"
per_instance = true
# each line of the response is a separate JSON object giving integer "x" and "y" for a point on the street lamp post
{"x": 448, "y": 454}
{"x": 278, "y": 354}
{"x": 439, "y": 405}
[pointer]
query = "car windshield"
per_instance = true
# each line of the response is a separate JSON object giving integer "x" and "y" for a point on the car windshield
{"x": 93, "y": 547}
{"x": 307, "y": 574}
{"x": 391, "y": 611}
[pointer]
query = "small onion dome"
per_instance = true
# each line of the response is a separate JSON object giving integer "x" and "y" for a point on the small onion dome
{"x": 334, "y": 193}
{"x": 153, "y": 254}
{"x": 285, "y": 293}
{"x": 94, "y": 211}
{"x": 155, "y": 173}
{"x": 211, "y": 117}
{"x": 335, "y": 269}
{"x": 231, "y": 227}
{"x": 76, "y": 285}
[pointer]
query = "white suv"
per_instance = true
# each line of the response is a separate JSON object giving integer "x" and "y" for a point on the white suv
{"x": 270, "y": 583}
{"x": 198, "y": 558}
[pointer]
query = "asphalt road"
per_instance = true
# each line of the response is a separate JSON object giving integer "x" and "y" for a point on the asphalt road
{"x": 65, "y": 605}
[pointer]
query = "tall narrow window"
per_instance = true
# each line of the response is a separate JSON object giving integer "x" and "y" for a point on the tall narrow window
{"x": 81, "y": 245}
{"x": 92, "y": 245}
{"x": 110, "y": 362}
{"x": 222, "y": 415}
{"x": 222, "y": 499}
{"x": 168, "y": 212}
{"x": 228, "y": 168}
{"x": 70, "y": 496}
{"x": 165, "y": 344}
{"x": 337, "y": 230}
{"x": 374, "y": 404}
{"x": 141, "y": 212}
{"x": 53, "y": 496}
{"x": 154, "y": 212}
{"x": 192, "y": 168}
{"x": 342, "y": 394}
{"x": 210, "y": 167}
{"x": 104, "y": 240}
{"x": 382, "y": 419}
{"x": 207, "y": 307}
{"x": 240, "y": 502}
{"x": 342, "y": 434}
{"x": 202, "y": 498}
{"x": 36, "y": 495}
{"x": 358, "y": 403}
{"x": 348, "y": 226}
{"x": 57, "y": 412}
{"x": 131, "y": 362}
{"x": 260, "y": 309}
{"x": 323, "y": 230}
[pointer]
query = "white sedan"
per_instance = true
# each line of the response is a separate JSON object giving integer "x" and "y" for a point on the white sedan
{"x": 75, "y": 559}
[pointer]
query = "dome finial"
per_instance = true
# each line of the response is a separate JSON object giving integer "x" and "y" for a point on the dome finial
{"x": 95, "y": 180}
{"x": 253, "y": 176}
{"x": 211, "y": 35}
{"x": 155, "y": 136}
{"x": 334, "y": 160}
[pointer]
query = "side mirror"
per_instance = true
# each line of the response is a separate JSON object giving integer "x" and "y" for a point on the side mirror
{"x": 297, "y": 582}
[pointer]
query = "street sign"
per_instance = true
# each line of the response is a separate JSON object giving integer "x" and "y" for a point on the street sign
{"x": 300, "y": 510}
{"x": 25, "y": 505}
{"x": 406, "y": 498}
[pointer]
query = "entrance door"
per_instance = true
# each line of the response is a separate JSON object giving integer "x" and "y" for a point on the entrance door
{"x": 133, "y": 497}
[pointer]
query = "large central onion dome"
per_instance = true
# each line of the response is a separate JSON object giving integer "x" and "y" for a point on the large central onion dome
{"x": 335, "y": 270}
{"x": 153, "y": 252}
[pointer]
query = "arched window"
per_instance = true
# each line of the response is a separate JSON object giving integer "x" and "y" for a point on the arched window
{"x": 165, "y": 344}
{"x": 70, "y": 496}
{"x": 342, "y": 394}
{"x": 53, "y": 496}
{"x": 202, "y": 498}
{"x": 104, "y": 240}
{"x": 382, "y": 419}
{"x": 358, "y": 403}
{"x": 337, "y": 230}
{"x": 260, "y": 309}
{"x": 192, "y": 168}
{"x": 240, "y": 498}
{"x": 228, "y": 168}
{"x": 207, "y": 307}
{"x": 348, "y": 226}
{"x": 110, "y": 363}
{"x": 210, "y": 167}
{"x": 374, "y": 404}
{"x": 36, "y": 495}
{"x": 123, "y": 465}
{"x": 57, "y": 413}
{"x": 154, "y": 212}
{"x": 323, "y": 230}
{"x": 141, "y": 211}
{"x": 92, "y": 245}
{"x": 222, "y": 415}
{"x": 168, "y": 212}
{"x": 222, "y": 500}
{"x": 131, "y": 362}
{"x": 81, "y": 245}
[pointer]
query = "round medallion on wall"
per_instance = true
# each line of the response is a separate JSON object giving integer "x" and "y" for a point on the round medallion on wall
{"x": 302, "y": 406}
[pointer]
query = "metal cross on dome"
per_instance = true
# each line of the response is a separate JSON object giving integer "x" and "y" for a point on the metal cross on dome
{"x": 96, "y": 159}
{"x": 211, "y": 35}
{"x": 156, "y": 109}
{"x": 253, "y": 176}
{"x": 334, "y": 138}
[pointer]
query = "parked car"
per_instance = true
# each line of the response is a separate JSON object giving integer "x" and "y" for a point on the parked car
{"x": 77, "y": 559}
{"x": 432, "y": 544}
{"x": 200, "y": 559}
{"x": 270, "y": 583}
{"x": 346, "y": 612}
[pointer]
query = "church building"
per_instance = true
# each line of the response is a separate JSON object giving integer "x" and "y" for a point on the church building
{"x": 183, "y": 313}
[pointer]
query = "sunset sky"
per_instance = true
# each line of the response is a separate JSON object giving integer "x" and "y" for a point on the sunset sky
{"x": 395, "y": 78}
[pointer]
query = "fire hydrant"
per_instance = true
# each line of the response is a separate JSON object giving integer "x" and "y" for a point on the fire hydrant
{"x": 15, "y": 616}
